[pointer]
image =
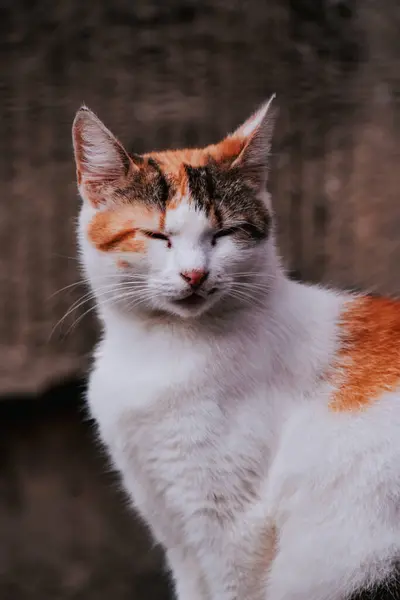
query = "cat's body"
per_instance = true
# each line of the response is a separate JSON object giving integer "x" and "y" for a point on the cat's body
{"x": 264, "y": 458}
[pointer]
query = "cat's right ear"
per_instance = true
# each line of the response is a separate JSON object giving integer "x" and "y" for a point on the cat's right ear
{"x": 100, "y": 158}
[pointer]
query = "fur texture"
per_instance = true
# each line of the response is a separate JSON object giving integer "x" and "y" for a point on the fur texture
{"x": 255, "y": 421}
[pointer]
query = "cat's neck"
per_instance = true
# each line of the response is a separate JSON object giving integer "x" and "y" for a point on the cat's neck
{"x": 296, "y": 323}
{"x": 289, "y": 343}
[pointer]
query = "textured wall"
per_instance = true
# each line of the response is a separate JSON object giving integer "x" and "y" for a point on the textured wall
{"x": 66, "y": 531}
{"x": 166, "y": 73}
{"x": 185, "y": 72}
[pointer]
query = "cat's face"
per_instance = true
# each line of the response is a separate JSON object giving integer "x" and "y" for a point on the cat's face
{"x": 176, "y": 231}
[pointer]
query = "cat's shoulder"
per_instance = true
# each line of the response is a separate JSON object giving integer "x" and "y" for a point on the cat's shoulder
{"x": 367, "y": 361}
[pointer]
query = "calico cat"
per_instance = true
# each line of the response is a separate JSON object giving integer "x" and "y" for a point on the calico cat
{"x": 255, "y": 421}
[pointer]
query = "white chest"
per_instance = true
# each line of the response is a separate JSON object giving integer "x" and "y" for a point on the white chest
{"x": 189, "y": 465}
{"x": 187, "y": 453}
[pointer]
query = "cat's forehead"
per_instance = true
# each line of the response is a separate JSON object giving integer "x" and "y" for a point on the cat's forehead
{"x": 200, "y": 178}
{"x": 185, "y": 218}
{"x": 173, "y": 161}
{"x": 195, "y": 176}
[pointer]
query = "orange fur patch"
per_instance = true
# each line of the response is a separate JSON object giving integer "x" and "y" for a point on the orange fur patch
{"x": 117, "y": 229}
{"x": 130, "y": 244}
{"x": 214, "y": 218}
{"x": 182, "y": 182}
{"x": 161, "y": 221}
{"x": 369, "y": 359}
{"x": 172, "y": 161}
{"x": 228, "y": 149}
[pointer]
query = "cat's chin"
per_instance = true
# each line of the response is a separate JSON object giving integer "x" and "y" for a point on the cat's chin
{"x": 191, "y": 306}
{"x": 188, "y": 310}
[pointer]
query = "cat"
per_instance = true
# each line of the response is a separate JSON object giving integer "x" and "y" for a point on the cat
{"x": 255, "y": 420}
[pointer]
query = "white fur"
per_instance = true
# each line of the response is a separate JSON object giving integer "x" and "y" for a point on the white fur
{"x": 218, "y": 421}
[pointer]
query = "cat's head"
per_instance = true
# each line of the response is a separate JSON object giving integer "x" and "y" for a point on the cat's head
{"x": 176, "y": 231}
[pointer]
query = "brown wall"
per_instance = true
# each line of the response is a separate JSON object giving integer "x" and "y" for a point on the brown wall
{"x": 66, "y": 528}
{"x": 177, "y": 72}
{"x": 185, "y": 72}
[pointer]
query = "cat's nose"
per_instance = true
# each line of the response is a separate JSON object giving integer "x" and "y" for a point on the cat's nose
{"x": 195, "y": 278}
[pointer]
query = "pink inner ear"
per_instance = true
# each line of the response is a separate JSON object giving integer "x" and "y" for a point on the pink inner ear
{"x": 248, "y": 128}
{"x": 98, "y": 154}
{"x": 253, "y": 159}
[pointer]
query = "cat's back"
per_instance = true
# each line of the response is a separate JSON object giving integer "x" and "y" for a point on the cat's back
{"x": 342, "y": 447}
{"x": 368, "y": 362}
{"x": 363, "y": 405}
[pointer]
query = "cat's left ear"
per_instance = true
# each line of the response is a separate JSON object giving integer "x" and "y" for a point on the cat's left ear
{"x": 257, "y": 132}
{"x": 101, "y": 160}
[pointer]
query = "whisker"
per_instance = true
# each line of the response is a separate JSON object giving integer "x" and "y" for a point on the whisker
{"x": 69, "y": 311}
{"x": 96, "y": 296}
{"x": 111, "y": 286}
{"x": 75, "y": 323}
{"x": 125, "y": 278}
{"x": 80, "y": 319}
{"x": 67, "y": 287}
{"x": 254, "y": 274}
{"x": 247, "y": 289}
{"x": 241, "y": 295}
{"x": 65, "y": 256}
{"x": 253, "y": 284}
{"x": 139, "y": 300}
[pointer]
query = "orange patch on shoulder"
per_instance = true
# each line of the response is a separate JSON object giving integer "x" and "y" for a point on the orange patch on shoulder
{"x": 117, "y": 229}
{"x": 369, "y": 359}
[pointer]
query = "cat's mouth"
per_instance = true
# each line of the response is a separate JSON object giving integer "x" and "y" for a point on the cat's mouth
{"x": 192, "y": 301}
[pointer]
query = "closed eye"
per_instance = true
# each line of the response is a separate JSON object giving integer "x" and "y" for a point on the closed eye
{"x": 224, "y": 232}
{"x": 157, "y": 235}
{"x": 246, "y": 228}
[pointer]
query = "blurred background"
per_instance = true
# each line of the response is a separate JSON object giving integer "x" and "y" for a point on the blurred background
{"x": 164, "y": 74}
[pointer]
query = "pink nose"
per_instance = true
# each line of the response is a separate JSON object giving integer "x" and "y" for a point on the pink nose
{"x": 195, "y": 278}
